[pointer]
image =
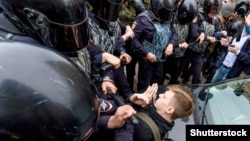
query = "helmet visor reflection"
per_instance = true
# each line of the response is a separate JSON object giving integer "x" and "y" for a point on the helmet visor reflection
{"x": 69, "y": 37}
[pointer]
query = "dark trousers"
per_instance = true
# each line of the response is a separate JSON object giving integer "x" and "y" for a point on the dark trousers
{"x": 149, "y": 73}
{"x": 196, "y": 66}
{"x": 131, "y": 69}
{"x": 121, "y": 82}
{"x": 175, "y": 69}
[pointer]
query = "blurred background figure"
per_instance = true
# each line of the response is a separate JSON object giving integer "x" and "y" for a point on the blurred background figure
{"x": 237, "y": 57}
{"x": 225, "y": 19}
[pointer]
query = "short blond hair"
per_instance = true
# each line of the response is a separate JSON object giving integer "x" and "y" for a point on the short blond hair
{"x": 182, "y": 101}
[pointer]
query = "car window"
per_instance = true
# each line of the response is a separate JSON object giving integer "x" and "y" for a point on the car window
{"x": 229, "y": 102}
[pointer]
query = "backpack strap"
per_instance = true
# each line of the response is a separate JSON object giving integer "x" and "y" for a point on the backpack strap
{"x": 165, "y": 138}
{"x": 151, "y": 124}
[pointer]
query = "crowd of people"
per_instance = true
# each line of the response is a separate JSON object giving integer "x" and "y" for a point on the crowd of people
{"x": 182, "y": 38}
{"x": 197, "y": 49}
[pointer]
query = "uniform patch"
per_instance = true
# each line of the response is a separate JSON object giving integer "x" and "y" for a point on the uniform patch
{"x": 105, "y": 105}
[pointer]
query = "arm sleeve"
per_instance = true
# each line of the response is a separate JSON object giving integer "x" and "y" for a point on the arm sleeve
{"x": 95, "y": 53}
{"x": 143, "y": 30}
{"x": 244, "y": 57}
{"x": 103, "y": 121}
{"x": 120, "y": 42}
{"x": 174, "y": 39}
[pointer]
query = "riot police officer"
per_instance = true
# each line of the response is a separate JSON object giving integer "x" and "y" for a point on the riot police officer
{"x": 61, "y": 25}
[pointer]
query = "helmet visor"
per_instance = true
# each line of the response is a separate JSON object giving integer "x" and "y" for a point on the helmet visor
{"x": 165, "y": 14}
{"x": 68, "y": 36}
{"x": 107, "y": 9}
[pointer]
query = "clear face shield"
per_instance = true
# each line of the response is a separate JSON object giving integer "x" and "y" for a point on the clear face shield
{"x": 70, "y": 36}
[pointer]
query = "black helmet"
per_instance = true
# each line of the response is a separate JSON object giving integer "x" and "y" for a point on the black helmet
{"x": 138, "y": 5}
{"x": 107, "y": 10}
{"x": 208, "y": 4}
{"x": 242, "y": 7}
{"x": 44, "y": 96}
{"x": 162, "y": 9}
{"x": 60, "y": 24}
{"x": 187, "y": 11}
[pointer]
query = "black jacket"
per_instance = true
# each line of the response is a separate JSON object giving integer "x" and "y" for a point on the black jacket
{"x": 242, "y": 61}
{"x": 142, "y": 131}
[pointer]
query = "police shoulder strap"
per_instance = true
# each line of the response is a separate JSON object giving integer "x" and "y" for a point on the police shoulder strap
{"x": 153, "y": 126}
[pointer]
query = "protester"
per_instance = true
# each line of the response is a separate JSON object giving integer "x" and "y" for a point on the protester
{"x": 171, "y": 102}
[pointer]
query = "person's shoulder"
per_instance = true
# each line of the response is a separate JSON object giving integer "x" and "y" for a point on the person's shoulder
{"x": 107, "y": 106}
{"x": 144, "y": 14}
{"x": 144, "y": 18}
{"x": 201, "y": 17}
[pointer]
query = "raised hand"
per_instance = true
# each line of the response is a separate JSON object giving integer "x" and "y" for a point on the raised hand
{"x": 145, "y": 98}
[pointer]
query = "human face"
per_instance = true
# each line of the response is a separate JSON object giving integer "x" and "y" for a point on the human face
{"x": 164, "y": 100}
{"x": 213, "y": 11}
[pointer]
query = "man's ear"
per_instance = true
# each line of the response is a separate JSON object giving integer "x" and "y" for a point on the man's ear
{"x": 170, "y": 110}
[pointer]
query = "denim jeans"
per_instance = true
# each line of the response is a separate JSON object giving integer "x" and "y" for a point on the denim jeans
{"x": 220, "y": 74}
